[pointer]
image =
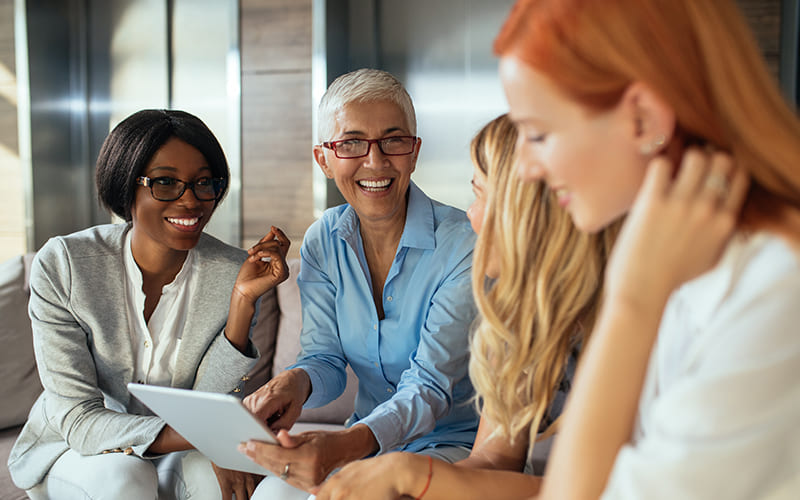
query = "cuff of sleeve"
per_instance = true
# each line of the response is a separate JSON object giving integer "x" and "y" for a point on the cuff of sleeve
{"x": 385, "y": 427}
{"x": 149, "y": 435}
{"x": 226, "y": 367}
{"x": 317, "y": 396}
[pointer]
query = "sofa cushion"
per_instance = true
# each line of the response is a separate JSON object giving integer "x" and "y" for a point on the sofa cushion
{"x": 21, "y": 383}
{"x": 263, "y": 337}
{"x": 287, "y": 347}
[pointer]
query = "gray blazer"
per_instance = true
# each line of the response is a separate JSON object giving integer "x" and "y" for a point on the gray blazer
{"x": 83, "y": 348}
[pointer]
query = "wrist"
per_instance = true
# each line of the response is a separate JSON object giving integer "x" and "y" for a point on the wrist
{"x": 358, "y": 442}
{"x": 302, "y": 382}
{"x": 418, "y": 476}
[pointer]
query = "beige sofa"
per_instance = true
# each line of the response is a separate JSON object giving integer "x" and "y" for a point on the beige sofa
{"x": 277, "y": 337}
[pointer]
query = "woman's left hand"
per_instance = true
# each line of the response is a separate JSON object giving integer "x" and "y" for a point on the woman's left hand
{"x": 305, "y": 460}
{"x": 233, "y": 482}
{"x": 265, "y": 266}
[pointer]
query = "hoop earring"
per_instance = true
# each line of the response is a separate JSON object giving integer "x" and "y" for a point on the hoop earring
{"x": 652, "y": 147}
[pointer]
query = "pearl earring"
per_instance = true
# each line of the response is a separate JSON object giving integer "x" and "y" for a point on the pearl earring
{"x": 652, "y": 147}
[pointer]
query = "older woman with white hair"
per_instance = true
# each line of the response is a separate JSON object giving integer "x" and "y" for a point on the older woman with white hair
{"x": 386, "y": 288}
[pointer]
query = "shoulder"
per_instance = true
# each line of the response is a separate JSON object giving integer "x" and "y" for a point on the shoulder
{"x": 320, "y": 233}
{"x": 452, "y": 229}
{"x": 212, "y": 249}
{"x": 752, "y": 267}
{"x": 746, "y": 305}
{"x": 92, "y": 243}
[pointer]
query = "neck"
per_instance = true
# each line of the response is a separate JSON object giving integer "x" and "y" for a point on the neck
{"x": 158, "y": 265}
{"x": 382, "y": 235}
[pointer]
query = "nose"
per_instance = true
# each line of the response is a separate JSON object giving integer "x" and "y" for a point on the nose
{"x": 188, "y": 198}
{"x": 375, "y": 156}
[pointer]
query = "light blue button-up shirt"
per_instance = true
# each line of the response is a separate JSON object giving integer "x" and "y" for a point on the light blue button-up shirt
{"x": 413, "y": 389}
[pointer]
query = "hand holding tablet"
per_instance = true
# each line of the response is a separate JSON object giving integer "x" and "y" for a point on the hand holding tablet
{"x": 215, "y": 424}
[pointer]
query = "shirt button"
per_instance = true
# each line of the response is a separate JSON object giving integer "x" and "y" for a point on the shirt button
{"x": 375, "y": 326}
{"x": 376, "y": 364}
{"x": 389, "y": 298}
{"x": 389, "y": 389}
{"x": 147, "y": 344}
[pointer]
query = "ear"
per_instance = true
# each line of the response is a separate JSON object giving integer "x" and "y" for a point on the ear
{"x": 651, "y": 119}
{"x": 416, "y": 153}
{"x": 319, "y": 157}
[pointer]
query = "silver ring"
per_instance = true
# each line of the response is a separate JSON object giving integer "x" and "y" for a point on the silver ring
{"x": 285, "y": 473}
{"x": 718, "y": 183}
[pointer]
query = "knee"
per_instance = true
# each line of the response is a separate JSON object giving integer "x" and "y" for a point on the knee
{"x": 135, "y": 479}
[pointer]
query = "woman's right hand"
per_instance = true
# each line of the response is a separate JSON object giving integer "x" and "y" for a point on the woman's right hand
{"x": 280, "y": 401}
{"x": 678, "y": 226}
{"x": 388, "y": 476}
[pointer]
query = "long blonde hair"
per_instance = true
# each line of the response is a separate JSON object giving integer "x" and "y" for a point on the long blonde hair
{"x": 544, "y": 302}
{"x": 699, "y": 56}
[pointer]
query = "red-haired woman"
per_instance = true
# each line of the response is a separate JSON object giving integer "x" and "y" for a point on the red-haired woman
{"x": 690, "y": 385}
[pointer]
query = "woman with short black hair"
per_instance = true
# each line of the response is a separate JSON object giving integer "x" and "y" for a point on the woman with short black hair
{"x": 154, "y": 300}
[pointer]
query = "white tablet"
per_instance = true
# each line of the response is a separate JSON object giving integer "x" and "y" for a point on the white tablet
{"x": 214, "y": 423}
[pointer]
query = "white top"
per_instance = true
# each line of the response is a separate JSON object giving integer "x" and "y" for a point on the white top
{"x": 156, "y": 343}
{"x": 719, "y": 415}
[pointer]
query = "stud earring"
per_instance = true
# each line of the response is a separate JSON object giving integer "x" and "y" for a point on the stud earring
{"x": 652, "y": 147}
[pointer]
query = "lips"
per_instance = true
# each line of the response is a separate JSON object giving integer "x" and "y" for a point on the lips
{"x": 188, "y": 223}
{"x": 375, "y": 186}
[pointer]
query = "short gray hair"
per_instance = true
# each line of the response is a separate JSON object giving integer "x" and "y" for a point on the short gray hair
{"x": 362, "y": 85}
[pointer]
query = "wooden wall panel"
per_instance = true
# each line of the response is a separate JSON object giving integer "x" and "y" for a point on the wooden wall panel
{"x": 277, "y": 163}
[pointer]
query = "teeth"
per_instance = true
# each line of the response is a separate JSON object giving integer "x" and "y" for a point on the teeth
{"x": 184, "y": 222}
{"x": 375, "y": 184}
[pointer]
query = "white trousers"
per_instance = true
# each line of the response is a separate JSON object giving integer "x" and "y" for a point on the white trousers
{"x": 175, "y": 476}
{"x": 273, "y": 488}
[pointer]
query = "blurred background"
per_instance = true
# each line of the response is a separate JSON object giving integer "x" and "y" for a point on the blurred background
{"x": 254, "y": 71}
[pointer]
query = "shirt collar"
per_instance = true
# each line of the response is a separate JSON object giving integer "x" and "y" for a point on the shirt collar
{"x": 135, "y": 274}
{"x": 419, "y": 227}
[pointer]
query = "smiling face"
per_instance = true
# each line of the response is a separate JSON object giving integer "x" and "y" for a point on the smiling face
{"x": 164, "y": 226}
{"x": 374, "y": 185}
{"x": 590, "y": 160}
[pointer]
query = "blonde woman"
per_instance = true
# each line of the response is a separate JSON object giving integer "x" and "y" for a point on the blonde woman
{"x": 535, "y": 314}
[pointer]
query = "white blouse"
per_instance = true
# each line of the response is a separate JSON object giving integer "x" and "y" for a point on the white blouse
{"x": 719, "y": 415}
{"x": 156, "y": 343}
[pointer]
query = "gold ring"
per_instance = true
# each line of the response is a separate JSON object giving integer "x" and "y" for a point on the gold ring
{"x": 285, "y": 473}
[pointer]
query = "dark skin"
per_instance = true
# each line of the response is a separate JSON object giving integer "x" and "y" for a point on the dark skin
{"x": 162, "y": 234}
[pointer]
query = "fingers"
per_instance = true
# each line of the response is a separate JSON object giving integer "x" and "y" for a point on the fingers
{"x": 658, "y": 177}
{"x": 286, "y": 440}
{"x": 691, "y": 174}
{"x": 275, "y": 239}
{"x": 739, "y": 186}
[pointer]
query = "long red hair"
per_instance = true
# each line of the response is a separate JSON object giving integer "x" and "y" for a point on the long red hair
{"x": 699, "y": 56}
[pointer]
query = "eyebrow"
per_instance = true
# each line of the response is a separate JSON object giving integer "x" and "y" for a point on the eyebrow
{"x": 173, "y": 169}
{"x": 387, "y": 131}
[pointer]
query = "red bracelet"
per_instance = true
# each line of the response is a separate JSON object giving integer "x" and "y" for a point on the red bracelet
{"x": 430, "y": 475}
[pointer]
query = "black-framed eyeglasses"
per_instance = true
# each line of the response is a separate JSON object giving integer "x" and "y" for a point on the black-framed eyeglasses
{"x": 356, "y": 148}
{"x": 170, "y": 188}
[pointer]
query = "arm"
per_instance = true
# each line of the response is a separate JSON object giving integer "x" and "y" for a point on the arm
{"x": 493, "y": 470}
{"x": 65, "y": 337}
{"x": 683, "y": 226}
{"x": 264, "y": 268}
